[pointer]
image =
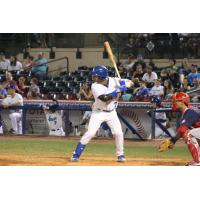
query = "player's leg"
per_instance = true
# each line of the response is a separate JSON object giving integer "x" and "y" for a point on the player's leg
{"x": 116, "y": 129}
{"x": 62, "y": 133}
{"x": 193, "y": 145}
{"x": 95, "y": 121}
{"x": 13, "y": 121}
{"x": 19, "y": 123}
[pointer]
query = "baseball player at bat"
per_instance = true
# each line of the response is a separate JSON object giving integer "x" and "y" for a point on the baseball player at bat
{"x": 54, "y": 120}
{"x": 189, "y": 128}
{"x": 105, "y": 91}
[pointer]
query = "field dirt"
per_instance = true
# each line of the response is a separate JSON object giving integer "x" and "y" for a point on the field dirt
{"x": 99, "y": 160}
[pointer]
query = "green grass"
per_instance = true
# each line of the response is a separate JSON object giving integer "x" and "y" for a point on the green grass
{"x": 63, "y": 147}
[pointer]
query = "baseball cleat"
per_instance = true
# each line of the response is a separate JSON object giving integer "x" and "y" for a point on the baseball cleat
{"x": 193, "y": 164}
{"x": 74, "y": 158}
{"x": 121, "y": 158}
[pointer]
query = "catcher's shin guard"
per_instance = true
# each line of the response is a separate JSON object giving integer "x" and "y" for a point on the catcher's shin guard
{"x": 193, "y": 147}
{"x": 77, "y": 153}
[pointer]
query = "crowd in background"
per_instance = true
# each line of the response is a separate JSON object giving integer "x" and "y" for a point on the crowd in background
{"x": 148, "y": 79}
{"x": 37, "y": 68}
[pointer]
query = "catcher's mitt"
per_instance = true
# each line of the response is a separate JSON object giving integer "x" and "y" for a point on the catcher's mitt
{"x": 166, "y": 144}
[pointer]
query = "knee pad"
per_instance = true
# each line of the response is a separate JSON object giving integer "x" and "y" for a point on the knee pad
{"x": 193, "y": 146}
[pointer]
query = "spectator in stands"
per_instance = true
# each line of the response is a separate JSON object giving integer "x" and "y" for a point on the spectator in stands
{"x": 29, "y": 62}
{"x": 149, "y": 77}
{"x": 9, "y": 81}
{"x": 128, "y": 64}
{"x": 40, "y": 67}
{"x": 183, "y": 70}
{"x": 21, "y": 85}
{"x": 141, "y": 61}
{"x": 15, "y": 65}
{"x": 168, "y": 89}
{"x": 153, "y": 65}
{"x": 175, "y": 79}
{"x": 142, "y": 92}
{"x": 137, "y": 75}
{"x": 3, "y": 92}
{"x": 185, "y": 85}
{"x": 157, "y": 89}
{"x": 34, "y": 90}
{"x": 4, "y": 63}
{"x": 185, "y": 67}
{"x": 170, "y": 70}
{"x": 85, "y": 92}
{"x": 193, "y": 75}
{"x": 195, "y": 96}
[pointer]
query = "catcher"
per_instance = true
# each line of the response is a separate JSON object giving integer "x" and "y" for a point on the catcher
{"x": 189, "y": 128}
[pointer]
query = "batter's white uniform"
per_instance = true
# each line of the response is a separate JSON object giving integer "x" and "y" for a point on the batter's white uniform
{"x": 105, "y": 112}
{"x": 54, "y": 121}
{"x": 15, "y": 116}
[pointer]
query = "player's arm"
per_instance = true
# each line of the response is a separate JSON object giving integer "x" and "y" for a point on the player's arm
{"x": 108, "y": 97}
{"x": 189, "y": 119}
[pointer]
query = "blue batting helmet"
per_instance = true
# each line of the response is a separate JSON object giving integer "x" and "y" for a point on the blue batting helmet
{"x": 100, "y": 71}
{"x": 156, "y": 100}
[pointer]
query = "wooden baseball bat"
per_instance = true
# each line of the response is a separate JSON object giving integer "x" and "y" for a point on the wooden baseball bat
{"x": 111, "y": 56}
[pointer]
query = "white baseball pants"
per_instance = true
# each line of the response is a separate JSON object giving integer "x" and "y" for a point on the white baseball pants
{"x": 16, "y": 122}
{"x": 58, "y": 132}
{"x": 113, "y": 122}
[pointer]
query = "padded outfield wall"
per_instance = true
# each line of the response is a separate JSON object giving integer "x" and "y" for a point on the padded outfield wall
{"x": 135, "y": 114}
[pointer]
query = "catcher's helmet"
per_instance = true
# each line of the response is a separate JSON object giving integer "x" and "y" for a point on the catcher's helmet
{"x": 180, "y": 96}
{"x": 100, "y": 71}
{"x": 156, "y": 100}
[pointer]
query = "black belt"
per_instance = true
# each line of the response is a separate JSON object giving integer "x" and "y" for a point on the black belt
{"x": 105, "y": 110}
{"x": 55, "y": 129}
{"x": 162, "y": 120}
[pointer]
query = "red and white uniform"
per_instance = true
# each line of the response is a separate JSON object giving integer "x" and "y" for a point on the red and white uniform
{"x": 190, "y": 129}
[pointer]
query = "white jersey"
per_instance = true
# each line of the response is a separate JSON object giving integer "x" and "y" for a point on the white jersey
{"x": 161, "y": 116}
{"x": 99, "y": 89}
{"x": 17, "y": 67}
{"x": 54, "y": 120}
{"x": 4, "y": 64}
{"x": 16, "y": 99}
{"x": 157, "y": 90}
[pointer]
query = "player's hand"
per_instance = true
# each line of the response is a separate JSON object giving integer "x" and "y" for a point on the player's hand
{"x": 122, "y": 83}
{"x": 122, "y": 87}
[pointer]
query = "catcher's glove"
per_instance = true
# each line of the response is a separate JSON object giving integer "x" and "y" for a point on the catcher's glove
{"x": 165, "y": 145}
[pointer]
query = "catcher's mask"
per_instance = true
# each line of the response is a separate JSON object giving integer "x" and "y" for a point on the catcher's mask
{"x": 180, "y": 97}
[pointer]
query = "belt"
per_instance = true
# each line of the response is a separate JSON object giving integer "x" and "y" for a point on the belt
{"x": 161, "y": 120}
{"x": 105, "y": 110}
{"x": 55, "y": 129}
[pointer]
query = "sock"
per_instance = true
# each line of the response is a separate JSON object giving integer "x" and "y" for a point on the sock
{"x": 79, "y": 149}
